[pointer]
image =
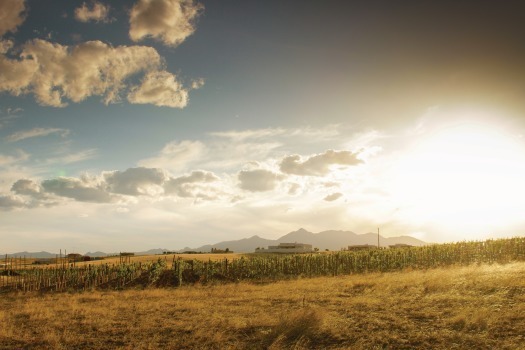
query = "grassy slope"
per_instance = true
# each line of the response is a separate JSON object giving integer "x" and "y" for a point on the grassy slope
{"x": 478, "y": 307}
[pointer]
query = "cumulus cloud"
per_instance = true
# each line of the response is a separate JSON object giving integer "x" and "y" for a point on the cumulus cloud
{"x": 160, "y": 88}
{"x": 53, "y": 72}
{"x": 197, "y": 83}
{"x": 28, "y": 188}
{"x": 35, "y": 195}
{"x": 332, "y": 197}
{"x": 136, "y": 181}
{"x": 113, "y": 187}
{"x": 11, "y": 15}
{"x": 77, "y": 189}
{"x": 258, "y": 180}
{"x": 319, "y": 164}
{"x": 8, "y": 202}
{"x": 170, "y": 21}
{"x": 5, "y": 46}
{"x": 176, "y": 155}
{"x": 36, "y": 132}
{"x": 97, "y": 12}
{"x": 191, "y": 185}
{"x": 110, "y": 185}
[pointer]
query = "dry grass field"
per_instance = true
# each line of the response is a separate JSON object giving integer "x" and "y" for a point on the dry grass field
{"x": 476, "y": 307}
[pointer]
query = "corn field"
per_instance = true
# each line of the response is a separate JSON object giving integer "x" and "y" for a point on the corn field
{"x": 257, "y": 267}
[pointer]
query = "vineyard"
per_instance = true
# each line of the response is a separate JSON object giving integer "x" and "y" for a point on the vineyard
{"x": 257, "y": 267}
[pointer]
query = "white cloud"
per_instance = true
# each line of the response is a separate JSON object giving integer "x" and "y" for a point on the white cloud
{"x": 332, "y": 197}
{"x": 74, "y": 157}
{"x": 11, "y": 15}
{"x": 5, "y": 46}
{"x": 98, "y": 12}
{"x": 242, "y": 135}
{"x": 10, "y": 115}
{"x": 160, "y": 88}
{"x": 302, "y": 135}
{"x": 36, "y": 132}
{"x": 176, "y": 155}
{"x": 316, "y": 134}
{"x": 258, "y": 180}
{"x": 197, "y": 83}
{"x": 54, "y": 73}
{"x": 9, "y": 160}
{"x": 233, "y": 148}
{"x": 170, "y": 21}
{"x": 319, "y": 164}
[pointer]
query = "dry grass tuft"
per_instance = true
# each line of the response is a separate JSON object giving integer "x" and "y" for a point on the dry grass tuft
{"x": 294, "y": 330}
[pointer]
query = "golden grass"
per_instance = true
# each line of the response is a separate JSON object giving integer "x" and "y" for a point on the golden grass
{"x": 476, "y": 307}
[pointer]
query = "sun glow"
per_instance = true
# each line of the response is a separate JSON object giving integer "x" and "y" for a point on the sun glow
{"x": 466, "y": 175}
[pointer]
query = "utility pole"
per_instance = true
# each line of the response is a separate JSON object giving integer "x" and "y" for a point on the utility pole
{"x": 378, "y": 238}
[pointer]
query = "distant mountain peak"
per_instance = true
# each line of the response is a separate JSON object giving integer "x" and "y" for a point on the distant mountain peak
{"x": 330, "y": 239}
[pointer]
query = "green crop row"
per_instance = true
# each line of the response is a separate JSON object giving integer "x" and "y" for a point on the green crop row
{"x": 262, "y": 267}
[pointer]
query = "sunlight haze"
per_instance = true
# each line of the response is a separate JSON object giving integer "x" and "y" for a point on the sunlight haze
{"x": 138, "y": 124}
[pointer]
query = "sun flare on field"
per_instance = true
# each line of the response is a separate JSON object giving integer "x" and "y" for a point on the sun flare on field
{"x": 466, "y": 174}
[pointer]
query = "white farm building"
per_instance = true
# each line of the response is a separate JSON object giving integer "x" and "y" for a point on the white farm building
{"x": 287, "y": 248}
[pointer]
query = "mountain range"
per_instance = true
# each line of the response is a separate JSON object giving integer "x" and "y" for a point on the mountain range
{"x": 331, "y": 240}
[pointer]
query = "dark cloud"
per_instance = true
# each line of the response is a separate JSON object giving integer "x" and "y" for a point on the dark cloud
{"x": 319, "y": 164}
{"x": 109, "y": 186}
{"x": 11, "y": 202}
{"x": 134, "y": 181}
{"x": 332, "y": 197}
{"x": 190, "y": 185}
{"x": 28, "y": 188}
{"x": 76, "y": 189}
{"x": 258, "y": 180}
{"x": 294, "y": 189}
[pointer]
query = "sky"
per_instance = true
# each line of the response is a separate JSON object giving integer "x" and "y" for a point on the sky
{"x": 138, "y": 124}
